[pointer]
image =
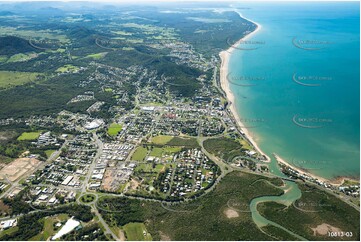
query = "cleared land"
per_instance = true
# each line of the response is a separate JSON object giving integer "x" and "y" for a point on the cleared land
{"x": 111, "y": 181}
{"x": 15, "y": 78}
{"x": 324, "y": 228}
{"x": 18, "y": 167}
{"x": 231, "y": 213}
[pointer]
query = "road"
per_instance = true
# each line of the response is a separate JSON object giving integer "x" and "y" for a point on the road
{"x": 99, "y": 152}
{"x": 105, "y": 225}
{"x": 99, "y": 144}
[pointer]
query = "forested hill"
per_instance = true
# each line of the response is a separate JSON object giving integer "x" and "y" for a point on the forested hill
{"x": 11, "y": 45}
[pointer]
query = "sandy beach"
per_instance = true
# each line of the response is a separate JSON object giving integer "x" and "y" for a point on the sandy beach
{"x": 225, "y": 55}
{"x": 335, "y": 182}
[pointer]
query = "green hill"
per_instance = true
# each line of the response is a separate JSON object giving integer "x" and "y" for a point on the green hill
{"x": 11, "y": 45}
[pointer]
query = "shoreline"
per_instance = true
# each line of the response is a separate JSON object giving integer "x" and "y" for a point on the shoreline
{"x": 334, "y": 182}
{"x": 225, "y": 56}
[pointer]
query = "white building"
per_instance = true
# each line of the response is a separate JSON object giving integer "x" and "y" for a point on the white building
{"x": 8, "y": 223}
{"x": 69, "y": 226}
{"x": 67, "y": 180}
{"x": 96, "y": 123}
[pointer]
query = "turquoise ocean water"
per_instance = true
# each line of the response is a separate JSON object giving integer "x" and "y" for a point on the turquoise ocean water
{"x": 297, "y": 87}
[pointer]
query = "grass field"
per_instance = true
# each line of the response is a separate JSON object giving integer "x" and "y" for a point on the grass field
{"x": 245, "y": 144}
{"x": 21, "y": 57}
{"x": 171, "y": 150}
{"x": 139, "y": 154}
{"x": 29, "y": 135}
{"x": 114, "y": 129}
{"x": 159, "y": 167}
{"x": 49, "y": 152}
{"x": 127, "y": 48}
{"x": 136, "y": 232}
{"x": 67, "y": 68}
{"x": 97, "y": 56}
{"x": 147, "y": 167}
{"x": 161, "y": 139}
{"x": 157, "y": 152}
{"x": 15, "y": 78}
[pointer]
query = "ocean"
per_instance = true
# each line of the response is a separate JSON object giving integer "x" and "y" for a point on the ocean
{"x": 296, "y": 84}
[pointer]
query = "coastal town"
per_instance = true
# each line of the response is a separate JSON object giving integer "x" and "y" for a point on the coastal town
{"x": 152, "y": 151}
{"x": 141, "y": 122}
